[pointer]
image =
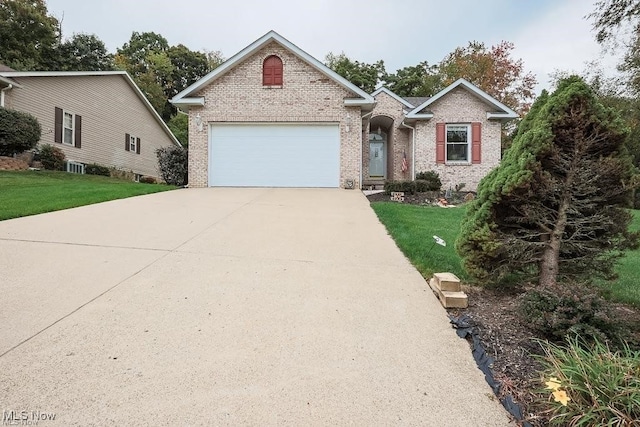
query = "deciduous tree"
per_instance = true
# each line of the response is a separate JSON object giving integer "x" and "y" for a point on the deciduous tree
{"x": 365, "y": 76}
{"x": 28, "y": 35}
{"x": 84, "y": 52}
{"x": 494, "y": 71}
{"x": 419, "y": 80}
{"x": 610, "y": 15}
{"x": 161, "y": 71}
{"x": 552, "y": 207}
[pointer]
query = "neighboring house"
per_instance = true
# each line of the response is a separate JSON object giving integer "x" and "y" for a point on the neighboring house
{"x": 274, "y": 116}
{"x": 94, "y": 117}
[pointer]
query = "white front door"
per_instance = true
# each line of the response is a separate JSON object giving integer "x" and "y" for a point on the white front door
{"x": 377, "y": 156}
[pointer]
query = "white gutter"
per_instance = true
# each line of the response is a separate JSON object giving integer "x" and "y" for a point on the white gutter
{"x": 364, "y": 116}
{"x": 188, "y": 102}
{"x": 2, "y": 91}
{"x": 413, "y": 149}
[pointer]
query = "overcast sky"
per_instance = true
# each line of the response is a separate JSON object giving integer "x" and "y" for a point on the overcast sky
{"x": 548, "y": 34}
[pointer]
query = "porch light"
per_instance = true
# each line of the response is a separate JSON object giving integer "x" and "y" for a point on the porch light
{"x": 199, "y": 122}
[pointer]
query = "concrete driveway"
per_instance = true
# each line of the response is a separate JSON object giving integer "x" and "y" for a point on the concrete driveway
{"x": 227, "y": 307}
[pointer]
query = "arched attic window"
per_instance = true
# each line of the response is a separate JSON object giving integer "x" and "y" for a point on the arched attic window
{"x": 272, "y": 71}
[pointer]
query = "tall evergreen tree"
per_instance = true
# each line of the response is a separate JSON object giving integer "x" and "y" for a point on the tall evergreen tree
{"x": 552, "y": 209}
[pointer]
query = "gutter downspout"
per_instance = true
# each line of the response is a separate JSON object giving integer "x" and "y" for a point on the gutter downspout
{"x": 2, "y": 91}
{"x": 413, "y": 149}
{"x": 364, "y": 116}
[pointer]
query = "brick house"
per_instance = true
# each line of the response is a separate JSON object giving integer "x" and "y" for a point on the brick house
{"x": 93, "y": 117}
{"x": 274, "y": 116}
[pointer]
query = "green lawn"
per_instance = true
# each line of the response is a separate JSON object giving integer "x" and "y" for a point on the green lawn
{"x": 413, "y": 228}
{"x": 32, "y": 192}
{"x": 627, "y": 287}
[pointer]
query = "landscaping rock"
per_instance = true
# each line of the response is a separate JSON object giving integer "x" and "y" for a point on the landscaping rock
{"x": 11, "y": 164}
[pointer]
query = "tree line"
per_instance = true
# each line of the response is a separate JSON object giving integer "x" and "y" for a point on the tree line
{"x": 493, "y": 69}
{"x": 31, "y": 39}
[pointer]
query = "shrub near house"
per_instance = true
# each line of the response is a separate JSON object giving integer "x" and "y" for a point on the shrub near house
{"x": 18, "y": 132}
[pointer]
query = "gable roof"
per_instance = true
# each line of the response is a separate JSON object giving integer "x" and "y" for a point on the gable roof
{"x": 185, "y": 97}
{"x": 123, "y": 74}
{"x": 506, "y": 112}
{"x": 394, "y": 96}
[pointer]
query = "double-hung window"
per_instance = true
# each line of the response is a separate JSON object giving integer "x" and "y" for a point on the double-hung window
{"x": 68, "y": 128}
{"x": 458, "y": 143}
{"x": 67, "y": 123}
{"x": 131, "y": 143}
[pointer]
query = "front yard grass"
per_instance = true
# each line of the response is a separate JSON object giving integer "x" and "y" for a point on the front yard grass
{"x": 25, "y": 193}
{"x": 413, "y": 227}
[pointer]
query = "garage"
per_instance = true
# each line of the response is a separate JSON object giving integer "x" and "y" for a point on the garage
{"x": 274, "y": 155}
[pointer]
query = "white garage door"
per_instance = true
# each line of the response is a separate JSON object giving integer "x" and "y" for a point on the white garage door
{"x": 274, "y": 155}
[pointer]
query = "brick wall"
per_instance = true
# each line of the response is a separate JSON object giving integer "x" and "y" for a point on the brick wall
{"x": 305, "y": 96}
{"x": 459, "y": 106}
{"x": 399, "y": 138}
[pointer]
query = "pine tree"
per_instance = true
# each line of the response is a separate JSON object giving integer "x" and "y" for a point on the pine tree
{"x": 553, "y": 208}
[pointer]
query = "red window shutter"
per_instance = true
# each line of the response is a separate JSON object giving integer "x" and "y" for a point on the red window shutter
{"x": 137, "y": 145}
{"x": 127, "y": 137}
{"x": 476, "y": 142}
{"x": 277, "y": 76}
{"x": 57, "y": 134}
{"x": 440, "y": 142}
{"x": 272, "y": 71}
{"x": 78, "y": 132}
{"x": 267, "y": 76}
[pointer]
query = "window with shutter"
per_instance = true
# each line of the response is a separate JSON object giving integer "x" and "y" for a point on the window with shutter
{"x": 132, "y": 143}
{"x": 476, "y": 144}
{"x": 58, "y": 126}
{"x": 272, "y": 71}
{"x": 67, "y": 128}
{"x": 440, "y": 142}
{"x": 78, "y": 132}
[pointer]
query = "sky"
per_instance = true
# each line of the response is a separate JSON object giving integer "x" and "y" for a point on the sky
{"x": 549, "y": 35}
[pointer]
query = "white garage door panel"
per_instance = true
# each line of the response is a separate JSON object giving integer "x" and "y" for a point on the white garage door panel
{"x": 274, "y": 155}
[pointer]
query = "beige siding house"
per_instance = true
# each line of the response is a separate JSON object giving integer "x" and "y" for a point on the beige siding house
{"x": 94, "y": 117}
{"x": 274, "y": 116}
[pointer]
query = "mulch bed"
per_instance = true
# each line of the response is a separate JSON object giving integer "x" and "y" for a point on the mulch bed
{"x": 509, "y": 341}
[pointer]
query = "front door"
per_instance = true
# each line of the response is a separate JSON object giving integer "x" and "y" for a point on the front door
{"x": 377, "y": 158}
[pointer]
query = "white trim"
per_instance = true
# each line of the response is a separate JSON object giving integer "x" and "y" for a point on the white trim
{"x": 383, "y": 89}
{"x": 507, "y": 113}
{"x": 134, "y": 150}
{"x": 254, "y": 47}
{"x": 365, "y": 105}
{"x": 73, "y": 128}
{"x": 190, "y": 102}
{"x": 446, "y": 144}
{"x": 60, "y": 73}
{"x": 124, "y": 75}
{"x": 423, "y": 116}
{"x": 9, "y": 82}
